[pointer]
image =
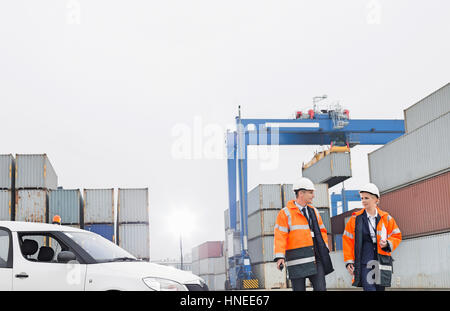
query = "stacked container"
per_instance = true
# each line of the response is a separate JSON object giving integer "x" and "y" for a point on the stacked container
{"x": 133, "y": 232}
{"x": 332, "y": 169}
{"x": 7, "y": 187}
{"x": 34, "y": 178}
{"x": 68, "y": 204}
{"x": 99, "y": 212}
{"x": 412, "y": 172}
{"x": 208, "y": 262}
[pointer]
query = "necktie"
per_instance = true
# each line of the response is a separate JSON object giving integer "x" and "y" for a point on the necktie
{"x": 307, "y": 218}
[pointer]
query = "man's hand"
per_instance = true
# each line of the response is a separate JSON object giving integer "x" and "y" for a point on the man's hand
{"x": 279, "y": 263}
{"x": 383, "y": 243}
{"x": 350, "y": 268}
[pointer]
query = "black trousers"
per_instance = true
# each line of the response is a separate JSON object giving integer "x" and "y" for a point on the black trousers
{"x": 317, "y": 280}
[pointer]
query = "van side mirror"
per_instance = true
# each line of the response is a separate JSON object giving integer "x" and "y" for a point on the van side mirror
{"x": 65, "y": 257}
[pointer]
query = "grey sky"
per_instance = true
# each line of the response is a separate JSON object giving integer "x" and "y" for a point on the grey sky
{"x": 101, "y": 91}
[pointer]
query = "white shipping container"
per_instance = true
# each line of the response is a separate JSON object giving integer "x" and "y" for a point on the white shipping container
{"x": 195, "y": 254}
{"x": 214, "y": 265}
{"x": 219, "y": 281}
{"x": 132, "y": 205}
{"x": 260, "y": 249}
{"x": 34, "y": 171}
{"x": 426, "y": 110}
{"x": 196, "y": 267}
{"x": 219, "y": 265}
{"x": 135, "y": 238}
{"x": 422, "y": 263}
{"x": 6, "y": 171}
{"x": 98, "y": 206}
{"x": 5, "y": 204}
{"x": 265, "y": 196}
{"x": 269, "y": 276}
{"x": 321, "y": 196}
{"x": 209, "y": 280}
{"x": 262, "y": 223}
{"x": 31, "y": 205}
{"x": 396, "y": 164}
{"x": 233, "y": 244}
{"x": 332, "y": 169}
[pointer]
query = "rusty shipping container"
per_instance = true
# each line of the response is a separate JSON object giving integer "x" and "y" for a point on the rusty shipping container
{"x": 7, "y": 168}
{"x": 264, "y": 197}
{"x": 34, "y": 171}
{"x": 5, "y": 204}
{"x": 421, "y": 208}
{"x": 31, "y": 205}
{"x": 98, "y": 206}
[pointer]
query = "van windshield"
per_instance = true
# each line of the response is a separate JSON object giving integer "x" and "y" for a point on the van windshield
{"x": 99, "y": 248}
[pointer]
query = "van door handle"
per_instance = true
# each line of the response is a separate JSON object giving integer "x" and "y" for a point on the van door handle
{"x": 22, "y": 275}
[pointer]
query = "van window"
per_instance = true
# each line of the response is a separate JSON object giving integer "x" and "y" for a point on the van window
{"x": 4, "y": 248}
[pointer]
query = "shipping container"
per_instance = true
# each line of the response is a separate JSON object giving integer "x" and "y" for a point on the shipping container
{"x": 331, "y": 169}
{"x": 264, "y": 197}
{"x": 268, "y": 275}
{"x": 428, "y": 109}
{"x": 233, "y": 243}
{"x": 421, "y": 208}
{"x": 7, "y": 168}
{"x": 338, "y": 222}
{"x": 34, "y": 171}
{"x": 66, "y": 203}
{"x": 415, "y": 156}
{"x": 321, "y": 196}
{"x": 31, "y": 205}
{"x": 195, "y": 254}
{"x": 260, "y": 249}
{"x": 135, "y": 239}
{"x": 98, "y": 206}
{"x": 209, "y": 280}
{"x": 214, "y": 265}
{"x": 226, "y": 218}
{"x": 421, "y": 263}
{"x": 337, "y": 242}
{"x": 196, "y": 267}
{"x": 325, "y": 215}
{"x": 210, "y": 249}
{"x": 132, "y": 205}
{"x": 219, "y": 281}
{"x": 105, "y": 230}
{"x": 5, "y": 204}
{"x": 262, "y": 223}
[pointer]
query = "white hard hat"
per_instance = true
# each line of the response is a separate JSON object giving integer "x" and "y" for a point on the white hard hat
{"x": 370, "y": 188}
{"x": 303, "y": 183}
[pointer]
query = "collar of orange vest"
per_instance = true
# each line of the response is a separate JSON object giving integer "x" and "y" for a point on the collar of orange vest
{"x": 380, "y": 212}
{"x": 291, "y": 204}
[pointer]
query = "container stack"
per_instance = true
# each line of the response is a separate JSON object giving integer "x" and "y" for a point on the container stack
{"x": 34, "y": 178}
{"x": 413, "y": 171}
{"x": 133, "y": 232}
{"x": 6, "y": 186}
{"x": 68, "y": 204}
{"x": 208, "y": 262}
{"x": 99, "y": 212}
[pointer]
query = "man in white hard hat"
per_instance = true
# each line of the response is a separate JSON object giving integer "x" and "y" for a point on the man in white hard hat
{"x": 300, "y": 240}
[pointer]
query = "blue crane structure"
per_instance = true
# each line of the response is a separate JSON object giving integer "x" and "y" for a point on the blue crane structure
{"x": 324, "y": 127}
{"x": 345, "y": 196}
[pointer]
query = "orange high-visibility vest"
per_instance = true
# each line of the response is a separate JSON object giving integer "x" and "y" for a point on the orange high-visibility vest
{"x": 386, "y": 226}
{"x": 293, "y": 240}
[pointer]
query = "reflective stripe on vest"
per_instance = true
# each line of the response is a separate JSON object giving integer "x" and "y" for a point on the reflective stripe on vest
{"x": 300, "y": 261}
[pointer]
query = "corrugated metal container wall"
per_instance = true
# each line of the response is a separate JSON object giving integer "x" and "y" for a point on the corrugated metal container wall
{"x": 31, "y": 205}
{"x": 196, "y": 267}
{"x": 423, "y": 263}
{"x": 35, "y": 171}
{"x": 261, "y": 249}
{"x": 264, "y": 197}
{"x": 105, "y": 230}
{"x": 325, "y": 215}
{"x": 212, "y": 265}
{"x": 133, "y": 205}
{"x": 98, "y": 206}
{"x": 226, "y": 218}
{"x": 195, "y": 254}
{"x": 66, "y": 203}
{"x": 135, "y": 239}
{"x": 321, "y": 196}
{"x": 332, "y": 169}
{"x": 6, "y": 171}
{"x": 262, "y": 223}
{"x": 210, "y": 249}
{"x": 421, "y": 208}
{"x": 269, "y": 276}
{"x": 209, "y": 280}
{"x": 219, "y": 282}
{"x": 5, "y": 204}
{"x": 233, "y": 245}
{"x": 431, "y": 107}
{"x": 396, "y": 164}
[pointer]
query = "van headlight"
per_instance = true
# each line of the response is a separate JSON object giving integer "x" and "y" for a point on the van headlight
{"x": 163, "y": 284}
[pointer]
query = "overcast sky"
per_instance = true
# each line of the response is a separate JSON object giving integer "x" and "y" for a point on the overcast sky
{"x": 106, "y": 87}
